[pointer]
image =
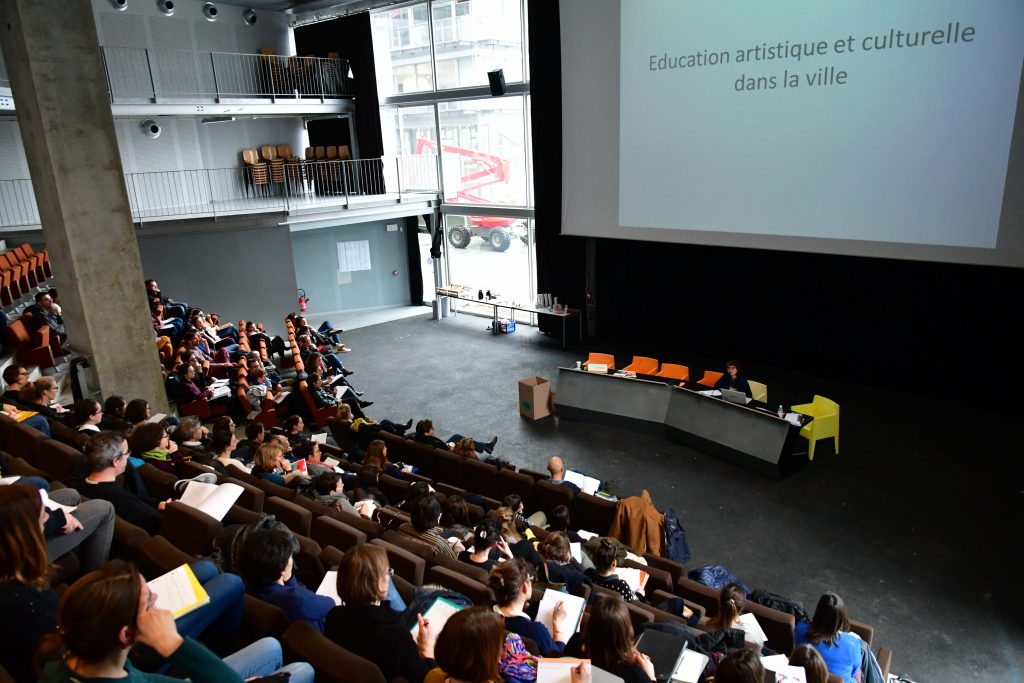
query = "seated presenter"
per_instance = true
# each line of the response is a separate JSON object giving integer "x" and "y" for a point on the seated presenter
{"x": 734, "y": 379}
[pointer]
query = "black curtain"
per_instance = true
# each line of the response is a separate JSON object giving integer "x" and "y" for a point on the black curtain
{"x": 352, "y": 39}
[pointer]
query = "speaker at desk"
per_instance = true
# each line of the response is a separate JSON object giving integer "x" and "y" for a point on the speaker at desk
{"x": 497, "y": 80}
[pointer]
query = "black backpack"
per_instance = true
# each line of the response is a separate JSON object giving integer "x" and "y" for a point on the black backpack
{"x": 676, "y": 546}
{"x": 780, "y": 603}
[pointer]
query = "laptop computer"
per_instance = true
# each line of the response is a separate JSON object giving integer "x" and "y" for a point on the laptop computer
{"x": 664, "y": 649}
{"x": 735, "y": 396}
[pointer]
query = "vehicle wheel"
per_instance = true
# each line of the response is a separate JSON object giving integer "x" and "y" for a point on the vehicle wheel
{"x": 459, "y": 237}
{"x": 500, "y": 239}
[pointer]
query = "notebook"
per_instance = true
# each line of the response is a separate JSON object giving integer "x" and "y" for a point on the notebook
{"x": 438, "y": 614}
{"x": 552, "y": 670}
{"x": 586, "y": 484}
{"x": 574, "y": 606}
{"x": 329, "y": 586}
{"x": 665, "y": 650}
{"x": 179, "y": 591}
{"x": 213, "y": 499}
{"x": 636, "y": 578}
{"x": 690, "y": 668}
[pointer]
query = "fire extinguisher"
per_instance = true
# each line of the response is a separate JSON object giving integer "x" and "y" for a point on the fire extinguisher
{"x": 303, "y": 300}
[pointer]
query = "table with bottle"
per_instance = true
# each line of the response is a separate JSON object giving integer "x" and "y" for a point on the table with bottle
{"x": 753, "y": 435}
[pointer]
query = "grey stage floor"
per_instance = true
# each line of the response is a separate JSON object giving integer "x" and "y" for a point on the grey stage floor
{"x": 917, "y": 524}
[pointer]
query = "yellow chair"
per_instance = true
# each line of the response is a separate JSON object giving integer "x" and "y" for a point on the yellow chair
{"x": 642, "y": 365}
{"x": 600, "y": 358}
{"x": 758, "y": 391}
{"x": 710, "y": 378}
{"x": 824, "y": 425}
{"x": 673, "y": 371}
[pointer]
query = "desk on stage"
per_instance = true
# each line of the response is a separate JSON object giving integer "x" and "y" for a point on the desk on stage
{"x": 512, "y": 308}
{"x": 747, "y": 435}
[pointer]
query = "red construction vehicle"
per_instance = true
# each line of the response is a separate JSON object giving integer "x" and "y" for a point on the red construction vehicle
{"x": 496, "y": 231}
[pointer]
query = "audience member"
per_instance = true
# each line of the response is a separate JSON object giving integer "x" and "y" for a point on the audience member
{"x": 608, "y": 641}
{"x": 30, "y": 604}
{"x": 107, "y": 611}
{"x": 455, "y": 519}
{"x": 470, "y": 647}
{"x": 156, "y": 298}
{"x": 15, "y": 377}
{"x": 556, "y": 468}
{"x": 326, "y": 335}
{"x": 517, "y": 543}
{"x": 191, "y": 433}
{"x": 266, "y": 564}
{"x": 222, "y": 446}
{"x": 559, "y": 565}
{"x": 255, "y": 434}
{"x": 466, "y": 447}
{"x": 815, "y": 669}
{"x": 367, "y": 625}
{"x": 137, "y": 411}
{"x": 603, "y": 573}
{"x": 149, "y": 442}
{"x": 270, "y": 464}
{"x": 425, "y": 435}
{"x": 740, "y": 666}
{"x": 41, "y": 396}
{"x": 425, "y": 513}
{"x": 731, "y": 602}
{"x": 512, "y": 583}
{"x": 329, "y": 490}
{"x": 489, "y": 547}
{"x": 107, "y": 457}
{"x": 559, "y": 520}
{"x": 88, "y": 415}
{"x": 114, "y": 414}
{"x": 45, "y": 313}
{"x": 829, "y": 633}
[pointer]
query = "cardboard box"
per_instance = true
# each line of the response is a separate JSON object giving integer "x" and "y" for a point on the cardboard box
{"x": 534, "y": 397}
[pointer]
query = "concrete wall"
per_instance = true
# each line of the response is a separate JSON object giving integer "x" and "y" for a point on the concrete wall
{"x": 316, "y": 267}
{"x": 239, "y": 273}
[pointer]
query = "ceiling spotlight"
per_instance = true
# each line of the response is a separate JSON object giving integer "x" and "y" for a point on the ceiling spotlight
{"x": 165, "y": 6}
{"x": 210, "y": 11}
{"x": 249, "y": 16}
{"x": 119, "y": 5}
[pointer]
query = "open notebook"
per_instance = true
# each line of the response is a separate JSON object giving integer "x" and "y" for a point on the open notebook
{"x": 438, "y": 614}
{"x": 179, "y": 591}
{"x": 213, "y": 499}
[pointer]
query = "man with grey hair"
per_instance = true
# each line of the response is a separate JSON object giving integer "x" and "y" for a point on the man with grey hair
{"x": 106, "y": 455}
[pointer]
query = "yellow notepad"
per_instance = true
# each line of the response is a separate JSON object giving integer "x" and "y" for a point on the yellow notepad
{"x": 23, "y": 415}
{"x": 179, "y": 591}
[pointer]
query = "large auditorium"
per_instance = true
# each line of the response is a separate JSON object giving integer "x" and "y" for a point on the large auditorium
{"x": 430, "y": 341}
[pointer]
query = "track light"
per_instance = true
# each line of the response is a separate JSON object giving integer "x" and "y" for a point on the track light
{"x": 119, "y": 5}
{"x": 165, "y": 6}
{"x": 210, "y": 11}
{"x": 249, "y": 16}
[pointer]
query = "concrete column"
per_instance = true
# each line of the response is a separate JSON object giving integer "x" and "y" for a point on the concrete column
{"x": 60, "y": 93}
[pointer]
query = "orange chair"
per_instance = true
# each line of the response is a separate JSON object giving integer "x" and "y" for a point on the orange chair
{"x": 710, "y": 378}
{"x": 673, "y": 371}
{"x": 642, "y": 365}
{"x": 605, "y": 358}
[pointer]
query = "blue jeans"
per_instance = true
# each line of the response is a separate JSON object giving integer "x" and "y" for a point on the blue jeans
{"x": 223, "y": 615}
{"x": 38, "y": 423}
{"x": 34, "y": 482}
{"x": 332, "y": 361}
{"x": 395, "y": 599}
{"x": 264, "y": 658}
{"x": 325, "y": 329}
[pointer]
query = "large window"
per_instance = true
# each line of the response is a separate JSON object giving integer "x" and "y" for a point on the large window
{"x": 471, "y": 37}
{"x": 483, "y": 153}
{"x": 432, "y": 61}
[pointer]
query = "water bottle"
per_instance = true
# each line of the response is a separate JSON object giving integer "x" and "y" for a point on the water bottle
{"x": 782, "y": 413}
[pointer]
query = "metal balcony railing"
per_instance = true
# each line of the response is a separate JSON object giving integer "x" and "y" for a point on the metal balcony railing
{"x": 152, "y": 75}
{"x": 232, "y": 191}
